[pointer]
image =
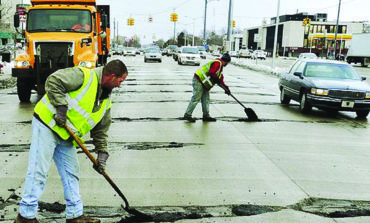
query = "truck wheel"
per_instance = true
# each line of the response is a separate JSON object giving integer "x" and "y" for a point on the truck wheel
{"x": 24, "y": 87}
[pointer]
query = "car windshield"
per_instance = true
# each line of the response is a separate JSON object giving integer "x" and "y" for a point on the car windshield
{"x": 152, "y": 50}
{"x": 201, "y": 48}
{"x": 332, "y": 71}
{"x": 130, "y": 48}
{"x": 58, "y": 20}
{"x": 190, "y": 50}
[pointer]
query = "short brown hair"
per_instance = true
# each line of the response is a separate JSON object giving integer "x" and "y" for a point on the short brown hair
{"x": 116, "y": 67}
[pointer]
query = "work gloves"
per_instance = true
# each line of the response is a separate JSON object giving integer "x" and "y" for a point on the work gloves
{"x": 102, "y": 162}
{"x": 227, "y": 90}
{"x": 61, "y": 115}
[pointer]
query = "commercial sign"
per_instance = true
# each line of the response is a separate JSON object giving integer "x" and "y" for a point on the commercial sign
{"x": 330, "y": 36}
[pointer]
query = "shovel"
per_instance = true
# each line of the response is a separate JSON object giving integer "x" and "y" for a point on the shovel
{"x": 138, "y": 215}
{"x": 252, "y": 116}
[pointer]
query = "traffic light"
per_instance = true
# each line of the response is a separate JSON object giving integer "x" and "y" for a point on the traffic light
{"x": 173, "y": 17}
{"x": 233, "y": 23}
{"x": 130, "y": 21}
{"x": 306, "y": 22}
{"x": 150, "y": 19}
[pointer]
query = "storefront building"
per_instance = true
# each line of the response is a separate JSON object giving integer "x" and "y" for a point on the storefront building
{"x": 293, "y": 38}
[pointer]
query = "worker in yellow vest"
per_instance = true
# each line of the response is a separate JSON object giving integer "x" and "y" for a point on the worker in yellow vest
{"x": 204, "y": 79}
{"x": 81, "y": 99}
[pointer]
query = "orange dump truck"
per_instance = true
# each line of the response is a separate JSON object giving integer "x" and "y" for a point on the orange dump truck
{"x": 60, "y": 34}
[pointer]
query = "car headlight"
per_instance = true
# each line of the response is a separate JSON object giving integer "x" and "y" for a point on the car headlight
{"x": 87, "y": 64}
{"x": 367, "y": 95}
{"x": 319, "y": 91}
{"x": 22, "y": 64}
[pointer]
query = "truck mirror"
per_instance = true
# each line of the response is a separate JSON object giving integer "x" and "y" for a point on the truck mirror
{"x": 16, "y": 21}
{"x": 104, "y": 20}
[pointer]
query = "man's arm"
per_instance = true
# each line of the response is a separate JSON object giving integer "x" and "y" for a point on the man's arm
{"x": 99, "y": 133}
{"x": 61, "y": 82}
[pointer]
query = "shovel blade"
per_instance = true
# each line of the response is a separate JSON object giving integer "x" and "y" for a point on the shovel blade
{"x": 252, "y": 116}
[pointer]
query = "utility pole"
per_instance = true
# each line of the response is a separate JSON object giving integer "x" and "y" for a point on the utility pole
{"x": 117, "y": 34}
{"x": 229, "y": 25}
{"x": 114, "y": 29}
{"x": 205, "y": 19}
{"x": 336, "y": 30}
{"x": 276, "y": 32}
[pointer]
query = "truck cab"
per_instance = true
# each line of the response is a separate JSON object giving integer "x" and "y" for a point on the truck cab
{"x": 60, "y": 34}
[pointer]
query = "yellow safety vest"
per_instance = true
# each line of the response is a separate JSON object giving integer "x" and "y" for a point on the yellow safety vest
{"x": 80, "y": 116}
{"x": 203, "y": 74}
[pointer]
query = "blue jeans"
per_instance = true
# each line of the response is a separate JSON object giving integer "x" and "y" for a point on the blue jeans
{"x": 200, "y": 93}
{"x": 45, "y": 147}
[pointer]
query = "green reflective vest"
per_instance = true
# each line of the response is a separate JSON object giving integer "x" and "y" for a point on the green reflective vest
{"x": 80, "y": 115}
{"x": 203, "y": 74}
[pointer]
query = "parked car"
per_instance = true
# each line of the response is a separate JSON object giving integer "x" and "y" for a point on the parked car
{"x": 307, "y": 56}
{"x": 153, "y": 54}
{"x": 233, "y": 53}
{"x": 325, "y": 84}
{"x": 216, "y": 53}
{"x": 129, "y": 51}
{"x": 189, "y": 55}
{"x": 245, "y": 53}
{"x": 259, "y": 54}
{"x": 118, "y": 50}
{"x": 202, "y": 52}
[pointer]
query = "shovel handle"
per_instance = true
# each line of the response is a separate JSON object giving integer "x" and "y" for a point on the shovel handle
{"x": 233, "y": 97}
{"x": 93, "y": 160}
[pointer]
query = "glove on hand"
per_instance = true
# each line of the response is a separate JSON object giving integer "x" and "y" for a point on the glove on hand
{"x": 227, "y": 90}
{"x": 61, "y": 116}
{"x": 102, "y": 162}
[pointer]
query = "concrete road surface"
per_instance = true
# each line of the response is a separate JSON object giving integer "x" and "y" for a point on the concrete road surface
{"x": 286, "y": 167}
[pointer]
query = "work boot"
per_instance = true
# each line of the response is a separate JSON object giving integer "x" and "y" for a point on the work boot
{"x": 208, "y": 119}
{"x": 83, "y": 219}
{"x": 188, "y": 118}
{"x": 20, "y": 219}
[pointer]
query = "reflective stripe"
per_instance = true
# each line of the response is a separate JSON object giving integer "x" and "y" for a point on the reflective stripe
{"x": 208, "y": 79}
{"x": 83, "y": 92}
{"x": 74, "y": 104}
{"x": 74, "y": 130}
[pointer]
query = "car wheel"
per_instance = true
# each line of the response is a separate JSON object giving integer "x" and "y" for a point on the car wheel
{"x": 145, "y": 60}
{"x": 304, "y": 106}
{"x": 362, "y": 114}
{"x": 283, "y": 98}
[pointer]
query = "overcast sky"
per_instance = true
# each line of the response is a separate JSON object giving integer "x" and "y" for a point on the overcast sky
{"x": 246, "y": 13}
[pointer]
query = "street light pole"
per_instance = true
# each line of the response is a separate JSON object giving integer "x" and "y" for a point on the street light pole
{"x": 336, "y": 30}
{"x": 229, "y": 25}
{"x": 276, "y": 32}
{"x": 205, "y": 19}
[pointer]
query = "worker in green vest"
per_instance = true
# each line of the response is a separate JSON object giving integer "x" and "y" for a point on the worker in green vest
{"x": 80, "y": 98}
{"x": 204, "y": 79}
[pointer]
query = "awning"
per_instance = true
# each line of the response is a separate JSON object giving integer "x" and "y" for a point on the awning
{"x": 5, "y": 36}
{"x": 329, "y": 36}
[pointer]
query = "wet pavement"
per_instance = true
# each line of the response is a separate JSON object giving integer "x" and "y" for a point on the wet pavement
{"x": 285, "y": 167}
